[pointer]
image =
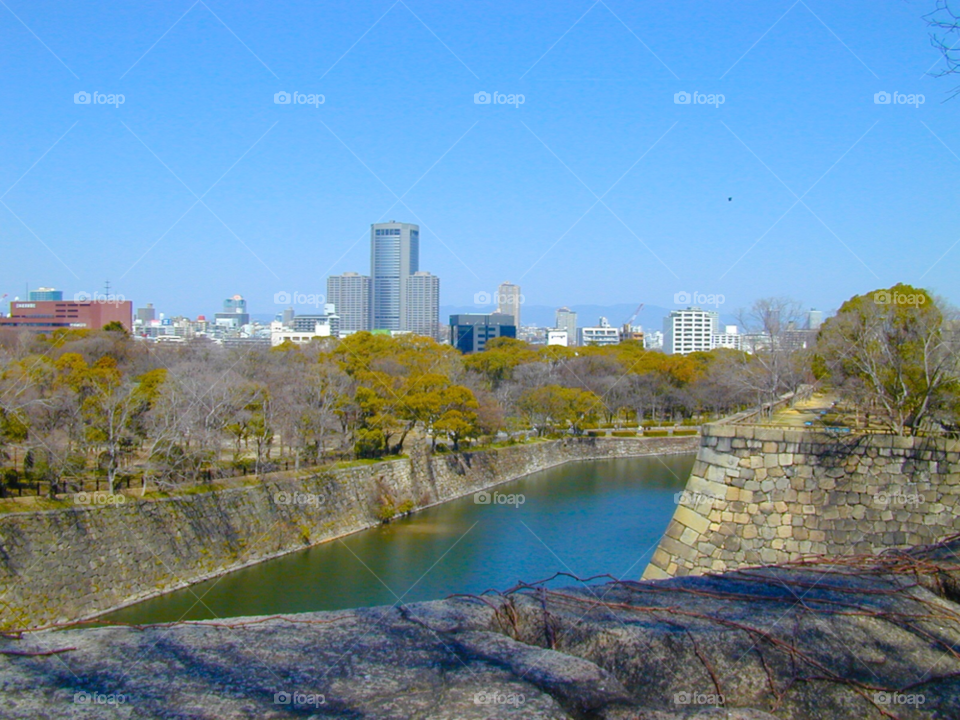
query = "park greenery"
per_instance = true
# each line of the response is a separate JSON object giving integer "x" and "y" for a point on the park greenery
{"x": 76, "y": 404}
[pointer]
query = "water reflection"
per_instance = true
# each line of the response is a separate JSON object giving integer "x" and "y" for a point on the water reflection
{"x": 586, "y": 518}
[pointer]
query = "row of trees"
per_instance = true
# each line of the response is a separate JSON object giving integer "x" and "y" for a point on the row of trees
{"x": 76, "y": 401}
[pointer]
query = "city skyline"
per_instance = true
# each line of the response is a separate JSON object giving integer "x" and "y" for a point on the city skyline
{"x": 800, "y": 183}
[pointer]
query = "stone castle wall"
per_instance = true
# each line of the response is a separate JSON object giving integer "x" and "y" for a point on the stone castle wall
{"x": 765, "y": 495}
{"x": 66, "y": 564}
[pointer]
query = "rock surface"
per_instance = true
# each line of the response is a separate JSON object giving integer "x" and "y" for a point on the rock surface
{"x": 864, "y": 637}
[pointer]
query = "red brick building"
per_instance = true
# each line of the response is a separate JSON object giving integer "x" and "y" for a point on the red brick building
{"x": 53, "y": 314}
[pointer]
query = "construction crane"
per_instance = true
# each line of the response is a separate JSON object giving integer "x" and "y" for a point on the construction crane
{"x": 627, "y": 332}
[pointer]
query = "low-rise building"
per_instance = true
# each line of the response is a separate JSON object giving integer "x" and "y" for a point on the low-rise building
{"x": 471, "y": 332}
{"x": 603, "y": 334}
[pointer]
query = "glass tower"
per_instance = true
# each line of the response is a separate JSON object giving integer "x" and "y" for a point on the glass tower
{"x": 394, "y": 257}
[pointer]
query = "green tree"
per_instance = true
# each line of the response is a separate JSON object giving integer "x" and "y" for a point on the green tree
{"x": 895, "y": 353}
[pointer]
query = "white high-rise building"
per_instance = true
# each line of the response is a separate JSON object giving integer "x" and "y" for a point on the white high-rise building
{"x": 509, "y": 301}
{"x": 350, "y": 295}
{"x": 394, "y": 257}
{"x": 423, "y": 304}
{"x": 690, "y": 330}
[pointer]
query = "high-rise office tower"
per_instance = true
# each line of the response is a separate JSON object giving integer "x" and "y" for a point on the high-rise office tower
{"x": 350, "y": 295}
{"x": 814, "y": 319}
{"x": 423, "y": 304}
{"x": 394, "y": 257}
{"x": 567, "y": 320}
{"x": 508, "y": 301}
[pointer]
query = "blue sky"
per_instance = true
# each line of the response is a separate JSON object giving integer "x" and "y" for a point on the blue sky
{"x": 501, "y": 192}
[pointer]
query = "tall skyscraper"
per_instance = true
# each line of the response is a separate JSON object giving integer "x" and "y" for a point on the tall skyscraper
{"x": 567, "y": 320}
{"x": 394, "y": 257}
{"x": 423, "y": 304}
{"x": 350, "y": 295}
{"x": 508, "y": 301}
{"x": 814, "y": 319}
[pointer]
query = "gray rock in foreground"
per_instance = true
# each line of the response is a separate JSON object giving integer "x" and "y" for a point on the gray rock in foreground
{"x": 860, "y": 638}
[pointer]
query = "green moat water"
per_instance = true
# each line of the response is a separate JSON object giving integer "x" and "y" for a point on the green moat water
{"x": 585, "y": 518}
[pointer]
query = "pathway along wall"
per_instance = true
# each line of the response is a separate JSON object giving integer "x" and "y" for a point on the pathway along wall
{"x": 762, "y": 495}
{"x": 63, "y": 565}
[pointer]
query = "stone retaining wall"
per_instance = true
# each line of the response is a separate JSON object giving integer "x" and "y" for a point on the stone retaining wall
{"x": 765, "y": 495}
{"x": 63, "y": 565}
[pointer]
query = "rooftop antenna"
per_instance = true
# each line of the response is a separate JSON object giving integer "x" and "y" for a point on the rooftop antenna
{"x": 106, "y": 290}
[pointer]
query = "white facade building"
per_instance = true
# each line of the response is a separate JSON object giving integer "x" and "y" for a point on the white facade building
{"x": 690, "y": 330}
{"x": 423, "y": 304}
{"x": 729, "y": 338}
{"x": 558, "y": 337}
{"x": 603, "y": 334}
{"x": 280, "y": 334}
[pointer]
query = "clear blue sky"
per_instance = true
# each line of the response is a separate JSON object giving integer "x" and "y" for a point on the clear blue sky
{"x": 500, "y": 192}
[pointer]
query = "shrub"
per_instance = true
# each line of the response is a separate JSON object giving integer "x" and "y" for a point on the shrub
{"x": 624, "y": 433}
{"x": 655, "y": 433}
